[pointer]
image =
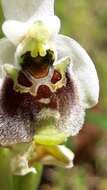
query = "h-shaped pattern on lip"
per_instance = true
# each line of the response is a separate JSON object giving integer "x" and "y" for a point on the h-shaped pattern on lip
{"x": 36, "y": 83}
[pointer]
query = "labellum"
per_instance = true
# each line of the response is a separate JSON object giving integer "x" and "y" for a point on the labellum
{"x": 26, "y": 99}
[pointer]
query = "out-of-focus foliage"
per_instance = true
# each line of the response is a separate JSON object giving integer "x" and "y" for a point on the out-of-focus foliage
{"x": 86, "y": 22}
{"x": 1, "y": 21}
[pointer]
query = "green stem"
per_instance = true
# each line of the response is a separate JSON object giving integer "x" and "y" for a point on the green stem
{"x": 30, "y": 181}
{"x": 10, "y": 182}
{"x": 6, "y": 179}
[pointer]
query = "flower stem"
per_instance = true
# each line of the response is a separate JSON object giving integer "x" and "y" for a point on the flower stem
{"x": 6, "y": 179}
{"x": 30, "y": 181}
{"x": 10, "y": 182}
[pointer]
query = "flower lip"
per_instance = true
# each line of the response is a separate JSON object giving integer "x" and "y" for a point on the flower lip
{"x": 23, "y": 80}
{"x": 38, "y": 66}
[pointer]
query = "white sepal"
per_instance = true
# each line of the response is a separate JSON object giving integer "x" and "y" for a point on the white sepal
{"x": 15, "y": 31}
{"x": 23, "y": 10}
{"x": 83, "y": 69}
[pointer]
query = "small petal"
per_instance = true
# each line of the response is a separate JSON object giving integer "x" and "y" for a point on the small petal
{"x": 83, "y": 69}
{"x": 11, "y": 71}
{"x": 7, "y": 51}
{"x": 23, "y": 10}
{"x": 14, "y": 30}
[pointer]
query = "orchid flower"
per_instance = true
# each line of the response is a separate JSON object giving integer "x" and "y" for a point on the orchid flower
{"x": 47, "y": 82}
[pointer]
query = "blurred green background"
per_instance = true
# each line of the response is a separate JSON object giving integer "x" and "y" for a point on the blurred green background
{"x": 86, "y": 22}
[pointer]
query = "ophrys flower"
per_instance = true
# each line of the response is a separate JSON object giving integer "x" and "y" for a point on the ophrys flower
{"x": 50, "y": 80}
